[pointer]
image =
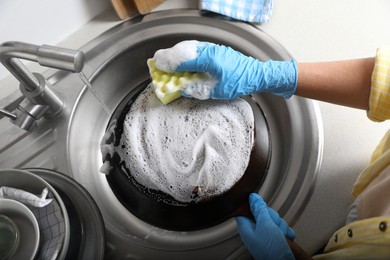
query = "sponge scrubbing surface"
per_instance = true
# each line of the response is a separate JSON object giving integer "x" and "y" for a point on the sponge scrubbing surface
{"x": 168, "y": 85}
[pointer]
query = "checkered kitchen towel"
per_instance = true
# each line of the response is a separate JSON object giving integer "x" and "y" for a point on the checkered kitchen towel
{"x": 25, "y": 197}
{"x": 254, "y": 11}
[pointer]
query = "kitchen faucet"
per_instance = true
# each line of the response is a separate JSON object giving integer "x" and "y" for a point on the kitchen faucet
{"x": 39, "y": 97}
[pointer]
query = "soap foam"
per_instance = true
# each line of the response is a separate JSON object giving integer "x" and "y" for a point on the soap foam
{"x": 169, "y": 59}
{"x": 191, "y": 149}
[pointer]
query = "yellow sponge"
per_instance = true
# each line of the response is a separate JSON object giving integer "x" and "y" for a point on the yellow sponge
{"x": 168, "y": 86}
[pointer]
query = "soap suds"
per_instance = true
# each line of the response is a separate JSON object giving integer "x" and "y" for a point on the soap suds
{"x": 169, "y": 59}
{"x": 107, "y": 147}
{"x": 191, "y": 149}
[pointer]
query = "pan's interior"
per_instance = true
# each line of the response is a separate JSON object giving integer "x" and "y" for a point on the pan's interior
{"x": 163, "y": 211}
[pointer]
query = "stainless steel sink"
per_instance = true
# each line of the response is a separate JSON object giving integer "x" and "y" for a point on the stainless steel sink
{"x": 116, "y": 66}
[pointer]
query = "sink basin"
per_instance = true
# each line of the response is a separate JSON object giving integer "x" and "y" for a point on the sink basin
{"x": 116, "y": 67}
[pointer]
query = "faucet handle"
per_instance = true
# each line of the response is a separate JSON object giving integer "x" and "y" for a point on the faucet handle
{"x": 7, "y": 114}
{"x": 41, "y": 99}
{"x": 60, "y": 58}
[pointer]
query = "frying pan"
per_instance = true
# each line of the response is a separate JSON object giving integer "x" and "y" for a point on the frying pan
{"x": 151, "y": 206}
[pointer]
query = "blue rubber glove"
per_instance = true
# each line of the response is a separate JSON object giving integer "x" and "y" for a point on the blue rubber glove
{"x": 233, "y": 73}
{"x": 265, "y": 238}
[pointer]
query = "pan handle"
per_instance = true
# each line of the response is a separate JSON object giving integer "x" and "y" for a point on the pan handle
{"x": 297, "y": 250}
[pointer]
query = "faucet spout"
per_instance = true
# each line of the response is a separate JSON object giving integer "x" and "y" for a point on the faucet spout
{"x": 45, "y": 55}
{"x": 33, "y": 85}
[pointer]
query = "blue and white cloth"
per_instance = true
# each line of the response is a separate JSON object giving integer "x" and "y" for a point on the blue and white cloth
{"x": 254, "y": 11}
{"x": 25, "y": 197}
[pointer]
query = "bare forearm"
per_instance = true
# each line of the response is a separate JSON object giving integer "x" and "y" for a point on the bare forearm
{"x": 340, "y": 82}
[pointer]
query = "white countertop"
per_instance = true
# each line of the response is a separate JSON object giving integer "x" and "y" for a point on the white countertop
{"x": 310, "y": 31}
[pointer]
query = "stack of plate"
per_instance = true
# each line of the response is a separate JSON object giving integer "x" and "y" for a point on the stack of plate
{"x": 70, "y": 226}
{"x": 18, "y": 229}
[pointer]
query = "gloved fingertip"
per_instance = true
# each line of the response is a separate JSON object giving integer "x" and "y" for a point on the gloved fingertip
{"x": 291, "y": 233}
{"x": 255, "y": 200}
{"x": 258, "y": 206}
{"x": 188, "y": 65}
{"x": 283, "y": 226}
{"x": 244, "y": 224}
{"x": 181, "y": 68}
{"x": 241, "y": 220}
{"x": 254, "y": 197}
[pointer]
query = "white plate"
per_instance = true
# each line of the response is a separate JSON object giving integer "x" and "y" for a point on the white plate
{"x": 27, "y": 225}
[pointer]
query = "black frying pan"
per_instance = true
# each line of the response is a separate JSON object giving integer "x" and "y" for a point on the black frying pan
{"x": 151, "y": 206}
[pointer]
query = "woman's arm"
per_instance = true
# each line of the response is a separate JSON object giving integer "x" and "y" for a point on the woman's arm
{"x": 344, "y": 83}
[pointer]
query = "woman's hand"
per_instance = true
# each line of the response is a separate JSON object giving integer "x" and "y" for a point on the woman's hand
{"x": 265, "y": 237}
{"x": 233, "y": 73}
